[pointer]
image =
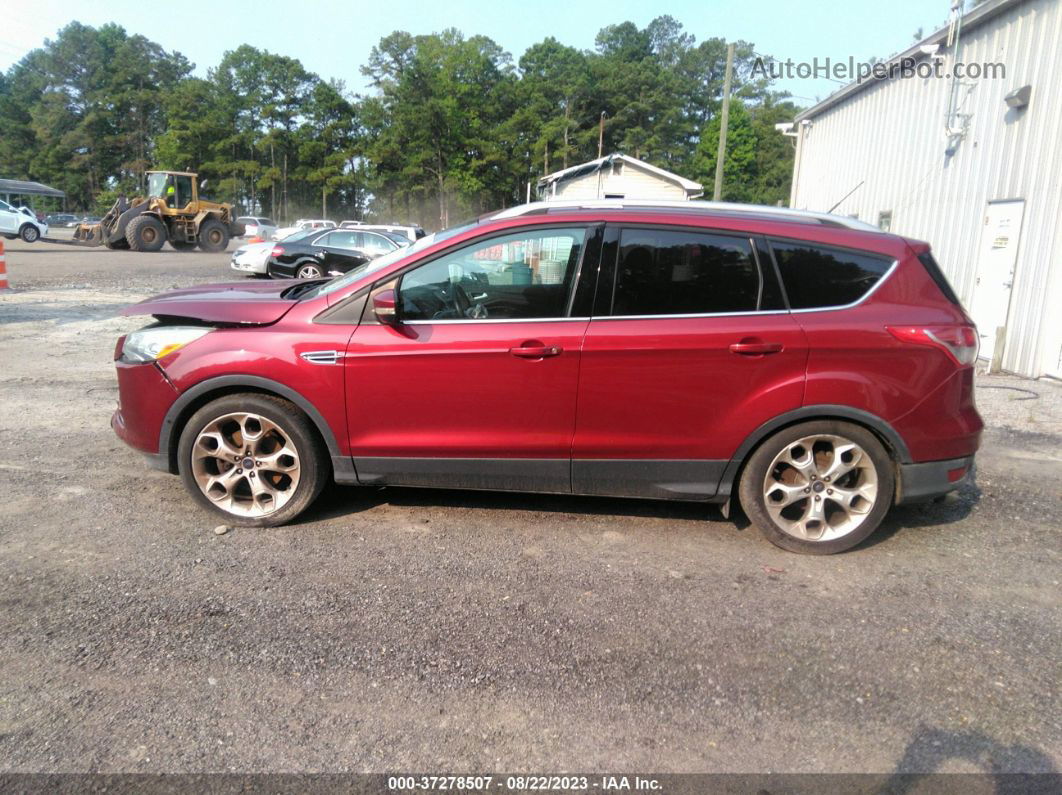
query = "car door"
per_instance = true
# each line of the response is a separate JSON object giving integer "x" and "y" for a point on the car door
{"x": 475, "y": 385}
{"x": 339, "y": 251}
{"x": 9, "y": 221}
{"x": 689, "y": 350}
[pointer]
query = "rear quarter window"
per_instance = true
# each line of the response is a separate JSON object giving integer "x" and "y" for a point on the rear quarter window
{"x": 817, "y": 277}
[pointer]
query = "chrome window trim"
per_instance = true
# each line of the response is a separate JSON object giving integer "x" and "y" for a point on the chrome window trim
{"x": 470, "y": 321}
{"x": 895, "y": 264}
{"x": 749, "y": 313}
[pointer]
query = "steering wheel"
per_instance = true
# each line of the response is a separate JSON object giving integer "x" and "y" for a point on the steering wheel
{"x": 462, "y": 303}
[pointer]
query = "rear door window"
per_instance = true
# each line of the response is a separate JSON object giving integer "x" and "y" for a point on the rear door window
{"x": 818, "y": 277}
{"x": 672, "y": 272}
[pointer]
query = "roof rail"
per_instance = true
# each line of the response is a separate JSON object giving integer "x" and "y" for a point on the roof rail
{"x": 706, "y": 207}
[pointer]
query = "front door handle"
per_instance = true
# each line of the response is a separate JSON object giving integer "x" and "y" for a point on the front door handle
{"x": 755, "y": 348}
{"x": 536, "y": 351}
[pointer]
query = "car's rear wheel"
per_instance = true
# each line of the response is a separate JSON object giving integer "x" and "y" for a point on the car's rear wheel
{"x": 29, "y": 233}
{"x": 818, "y": 487}
{"x": 255, "y": 459}
{"x": 307, "y": 270}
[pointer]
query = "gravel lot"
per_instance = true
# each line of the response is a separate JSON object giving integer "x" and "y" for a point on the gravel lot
{"x": 447, "y": 631}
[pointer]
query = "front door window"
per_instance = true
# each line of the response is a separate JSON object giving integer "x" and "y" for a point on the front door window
{"x": 526, "y": 275}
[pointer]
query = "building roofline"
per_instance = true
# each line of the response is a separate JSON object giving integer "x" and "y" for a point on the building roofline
{"x": 974, "y": 18}
{"x": 595, "y": 165}
{"x": 29, "y": 188}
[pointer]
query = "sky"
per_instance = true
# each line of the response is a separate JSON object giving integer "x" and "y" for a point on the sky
{"x": 334, "y": 38}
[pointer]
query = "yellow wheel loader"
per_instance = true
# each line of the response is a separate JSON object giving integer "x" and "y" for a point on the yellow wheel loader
{"x": 172, "y": 211}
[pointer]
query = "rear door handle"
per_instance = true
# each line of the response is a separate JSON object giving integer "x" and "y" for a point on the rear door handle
{"x": 536, "y": 351}
{"x": 755, "y": 348}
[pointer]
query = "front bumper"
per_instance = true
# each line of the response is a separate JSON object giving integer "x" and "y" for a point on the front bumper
{"x": 144, "y": 397}
{"x": 246, "y": 264}
{"x": 925, "y": 481}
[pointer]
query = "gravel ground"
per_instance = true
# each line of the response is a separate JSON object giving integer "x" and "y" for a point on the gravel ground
{"x": 466, "y": 632}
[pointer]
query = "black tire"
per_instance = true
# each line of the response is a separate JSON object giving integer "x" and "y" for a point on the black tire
{"x": 753, "y": 490}
{"x": 145, "y": 233}
{"x": 118, "y": 245}
{"x": 312, "y": 458}
{"x": 11, "y": 237}
{"x": 213, "y": 236}
{"x": 308, "y": 270}
{"x": 29, "y": 233}
{"x": 182, "y": 245}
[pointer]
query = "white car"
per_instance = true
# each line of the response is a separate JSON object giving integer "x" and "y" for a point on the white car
{"x": 301, "y": 225}
{"x": 20, "y": 222}
{"x": 408, "y": 231}
{"x": 257, "y": 226}
{"x": 252, "y": 259}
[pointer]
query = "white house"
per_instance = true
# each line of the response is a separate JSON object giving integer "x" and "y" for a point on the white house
{"x": 617, "y": 177}
{"x": 969, "y": 162}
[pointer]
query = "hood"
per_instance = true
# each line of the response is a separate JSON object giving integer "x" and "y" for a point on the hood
{"x": 244, "y": 303}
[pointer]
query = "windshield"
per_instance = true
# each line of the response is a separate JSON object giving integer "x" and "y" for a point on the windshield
{"x": 390, "y": 258}
{"x": 157, "y": 184}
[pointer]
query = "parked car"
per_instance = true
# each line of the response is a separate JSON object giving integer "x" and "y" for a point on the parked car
{"x": 61, "y": 219}
{"x": 21, "y": 222}
{"x": 301, "y": 224}
{"x": 326, "y": 252}
{"x": 808, "y": 366}
{"x": 257, "y": 226}
{"x": 252, "y": 259}
{"x": 411, "y": 233}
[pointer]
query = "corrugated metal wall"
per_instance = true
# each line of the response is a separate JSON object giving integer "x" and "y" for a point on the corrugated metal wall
{"x": 891, "y": 137}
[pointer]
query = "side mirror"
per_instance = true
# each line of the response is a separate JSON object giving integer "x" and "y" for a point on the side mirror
{"x": 384, "y": 306}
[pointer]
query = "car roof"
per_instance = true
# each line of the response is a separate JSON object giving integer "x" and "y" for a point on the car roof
{"x": 700, "y": 208}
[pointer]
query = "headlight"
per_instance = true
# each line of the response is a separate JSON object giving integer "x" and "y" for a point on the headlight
{"x": 154, "y": 342}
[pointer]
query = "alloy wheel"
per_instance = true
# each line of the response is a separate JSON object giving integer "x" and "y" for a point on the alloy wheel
{"x": 308, "y": 272}
{"x": 246, "y": 464}
{"x": 820, "y": 487}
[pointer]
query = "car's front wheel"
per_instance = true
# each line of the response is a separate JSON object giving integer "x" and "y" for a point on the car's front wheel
{"x": 255, "y": 459}
{"x": 818, "y": 487}
{"x": 30, "y": 233}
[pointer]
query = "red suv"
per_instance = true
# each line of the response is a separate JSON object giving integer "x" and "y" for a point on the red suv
{"x": 813, "y": 367}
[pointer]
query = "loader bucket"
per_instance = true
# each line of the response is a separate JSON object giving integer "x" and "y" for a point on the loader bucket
{"x": 88, "y": 234}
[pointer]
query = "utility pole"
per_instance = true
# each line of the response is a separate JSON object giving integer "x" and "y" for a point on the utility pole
{"x": 324, "y": 201}
{"x": 601, "y": 135}
{"x": 721, "y": 155}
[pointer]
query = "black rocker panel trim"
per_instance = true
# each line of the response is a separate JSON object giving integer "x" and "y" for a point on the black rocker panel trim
{"x": 693, "y": 480}
{"x": 552, "y": 475}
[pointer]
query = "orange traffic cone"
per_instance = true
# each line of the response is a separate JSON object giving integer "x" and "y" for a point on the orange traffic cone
{"x": 3, "y": 269}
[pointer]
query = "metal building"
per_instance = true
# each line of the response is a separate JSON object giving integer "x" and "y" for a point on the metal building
{"x": 970, "y": 164}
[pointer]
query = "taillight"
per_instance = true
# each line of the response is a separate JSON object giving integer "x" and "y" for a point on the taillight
{"x": 959, "y": 342}
{"x": 277, "y": 251}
